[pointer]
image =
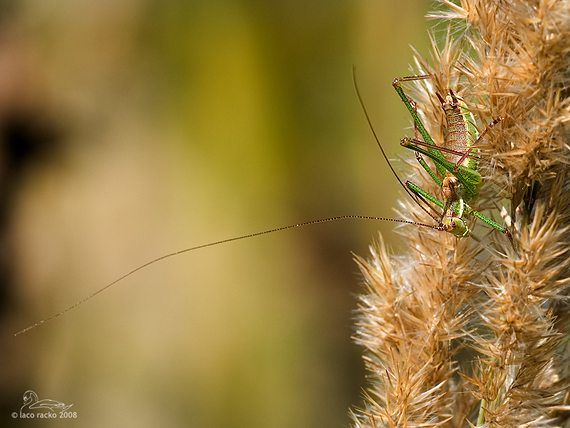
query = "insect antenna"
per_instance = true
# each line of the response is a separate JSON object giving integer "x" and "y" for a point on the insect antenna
{"x": 211, "y": 244}
{"x": 415, "y": 197}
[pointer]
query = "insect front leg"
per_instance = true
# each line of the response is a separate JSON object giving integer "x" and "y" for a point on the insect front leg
{"x": 452, "y": 220}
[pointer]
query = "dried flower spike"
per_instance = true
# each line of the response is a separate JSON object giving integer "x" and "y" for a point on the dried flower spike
{"x": 473, "y": 332}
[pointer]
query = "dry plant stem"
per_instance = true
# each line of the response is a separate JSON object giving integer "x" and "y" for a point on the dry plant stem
{"x": 473, "y": 332}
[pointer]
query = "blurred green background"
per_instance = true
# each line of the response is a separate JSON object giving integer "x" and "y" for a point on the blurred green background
{"x": 134, "y": 128}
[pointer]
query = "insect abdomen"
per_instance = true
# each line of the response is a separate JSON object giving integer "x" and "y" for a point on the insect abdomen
{"x": 461, "y": 131}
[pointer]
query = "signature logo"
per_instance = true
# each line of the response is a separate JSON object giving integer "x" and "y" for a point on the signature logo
{"x": 35, "y": 408}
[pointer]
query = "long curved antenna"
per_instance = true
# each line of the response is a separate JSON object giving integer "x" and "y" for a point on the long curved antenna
{"x": 416, "y": 198}
{"x": 223, "y": 241}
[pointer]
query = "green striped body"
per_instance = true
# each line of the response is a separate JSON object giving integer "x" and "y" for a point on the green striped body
{"x": 461, "y": 131}
{"x": 461, "y": 135}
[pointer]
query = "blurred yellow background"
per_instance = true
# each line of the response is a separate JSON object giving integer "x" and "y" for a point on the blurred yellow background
{"x": 146, "y": 127}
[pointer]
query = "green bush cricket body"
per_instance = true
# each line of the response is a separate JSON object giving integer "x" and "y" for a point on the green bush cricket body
{"x": 461, "y": 183}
